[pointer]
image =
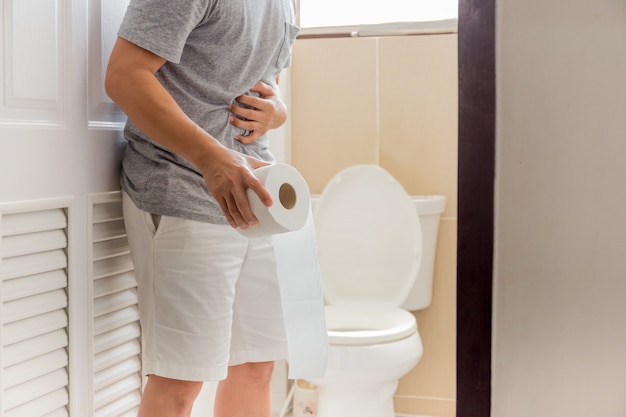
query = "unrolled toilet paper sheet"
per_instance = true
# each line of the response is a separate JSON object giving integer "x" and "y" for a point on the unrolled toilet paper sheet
{"x": 302, "y": 301}
{"x": 290, "y": 222}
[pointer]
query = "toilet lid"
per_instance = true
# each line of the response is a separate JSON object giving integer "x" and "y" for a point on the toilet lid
{"x": 369, "y": 238}
{"x": 367, "y": 325}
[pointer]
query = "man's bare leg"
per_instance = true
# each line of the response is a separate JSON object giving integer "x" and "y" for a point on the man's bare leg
{"x": 246, "y": 391}
{"x": 165, "y": 397}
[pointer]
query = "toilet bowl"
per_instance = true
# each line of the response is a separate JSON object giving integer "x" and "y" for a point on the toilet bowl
{"x": 371, "y": 249}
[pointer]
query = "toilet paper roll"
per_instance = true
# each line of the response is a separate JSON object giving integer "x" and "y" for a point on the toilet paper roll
{"x": 292, "y": 201}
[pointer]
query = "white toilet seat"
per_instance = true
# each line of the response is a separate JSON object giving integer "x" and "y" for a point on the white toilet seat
{"x": 368, "y": 325}
{"x": 369, "y": 238}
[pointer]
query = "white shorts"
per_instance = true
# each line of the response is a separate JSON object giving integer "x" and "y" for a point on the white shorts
{"x": 208, "y": 297}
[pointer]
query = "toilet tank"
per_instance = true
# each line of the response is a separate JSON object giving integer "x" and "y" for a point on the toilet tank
{"x": 429, "y": 209}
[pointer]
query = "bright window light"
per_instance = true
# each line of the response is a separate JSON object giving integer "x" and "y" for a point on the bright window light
{"x": 322, "y": 13}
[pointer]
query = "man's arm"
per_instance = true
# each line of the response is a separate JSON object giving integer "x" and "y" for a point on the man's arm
{"x": 132, "y": 85}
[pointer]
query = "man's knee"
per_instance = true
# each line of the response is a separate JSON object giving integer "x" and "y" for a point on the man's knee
{"x": 257, "y": 373}
{"x": 180, "y": 394}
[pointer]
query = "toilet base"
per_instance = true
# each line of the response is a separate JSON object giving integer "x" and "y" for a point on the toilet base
{"x": 357, "y": 400}
{"x": 361, "y": 380}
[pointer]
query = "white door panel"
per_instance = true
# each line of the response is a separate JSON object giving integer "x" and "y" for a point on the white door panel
{"x": 35, "y": 61}
{"x": 59, "y": 140}
{"x": 42, "y": 111}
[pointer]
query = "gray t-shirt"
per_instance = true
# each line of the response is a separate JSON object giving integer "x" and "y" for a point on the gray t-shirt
{"x": 216, "y": 51}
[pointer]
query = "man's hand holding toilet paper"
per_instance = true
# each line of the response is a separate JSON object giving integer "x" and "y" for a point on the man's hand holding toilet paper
{"x": 228, "y": 174}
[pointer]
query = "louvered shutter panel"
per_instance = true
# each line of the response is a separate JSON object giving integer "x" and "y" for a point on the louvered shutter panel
{"x": 34, "y": 333}
{"x": 116, "y": 349}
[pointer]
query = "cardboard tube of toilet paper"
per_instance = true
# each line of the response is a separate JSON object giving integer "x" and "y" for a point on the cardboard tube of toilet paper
{"x": 292, "y": 201}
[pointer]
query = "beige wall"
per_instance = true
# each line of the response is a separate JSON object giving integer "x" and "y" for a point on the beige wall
{"x": 390, "y": 101}
{"x": 560, "y": 276}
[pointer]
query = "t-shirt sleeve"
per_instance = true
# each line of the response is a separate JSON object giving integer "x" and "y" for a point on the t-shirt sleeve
{"x": 162, "y": 26}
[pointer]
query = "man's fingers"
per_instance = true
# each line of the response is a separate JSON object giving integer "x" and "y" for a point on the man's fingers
{"x": 263, "y": 89}
{"x": 250, "y": 138}
{"x": 251, "y": 101}
{"x": 224, "y": 206}
{"x": 236, "y": 205}
{"x": 238, "y": 209}
{"x": 262, "y": 193}
{"x": 245, "y": 124}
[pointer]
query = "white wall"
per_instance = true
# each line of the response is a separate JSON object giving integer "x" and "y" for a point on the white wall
{"x": 560, "y": 261}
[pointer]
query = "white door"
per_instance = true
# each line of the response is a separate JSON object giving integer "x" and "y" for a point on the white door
{"x": 69, "y": 341}
{"x": 69, "y": 335}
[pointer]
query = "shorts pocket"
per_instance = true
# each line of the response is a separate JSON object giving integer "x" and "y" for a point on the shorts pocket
{"x": 152, "y": 222}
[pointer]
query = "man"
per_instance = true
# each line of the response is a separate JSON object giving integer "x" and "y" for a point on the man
{"x": 198, "y": 81}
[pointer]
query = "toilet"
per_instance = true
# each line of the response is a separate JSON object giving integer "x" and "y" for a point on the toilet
{"x": 376, "y": 250}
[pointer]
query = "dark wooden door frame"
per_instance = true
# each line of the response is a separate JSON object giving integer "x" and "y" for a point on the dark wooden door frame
{"x": 477, "y": 101}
